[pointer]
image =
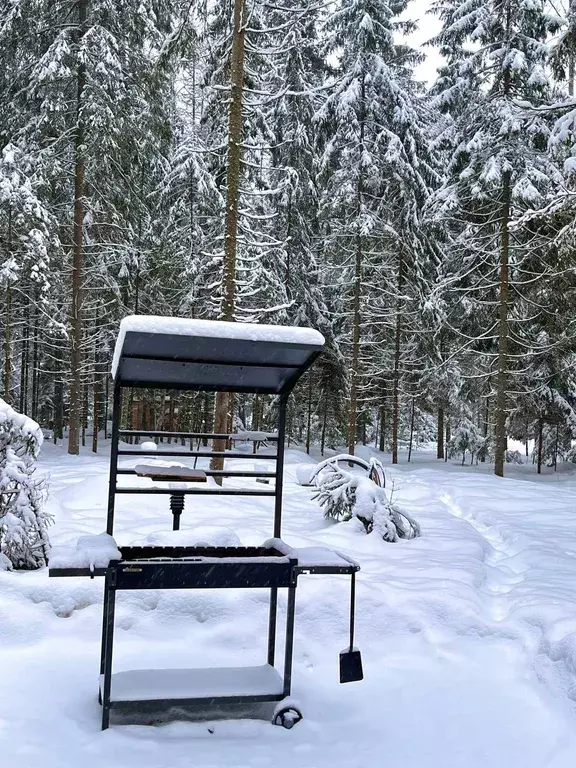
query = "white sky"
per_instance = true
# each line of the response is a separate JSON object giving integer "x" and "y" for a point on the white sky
{"x": 428, "y": 27}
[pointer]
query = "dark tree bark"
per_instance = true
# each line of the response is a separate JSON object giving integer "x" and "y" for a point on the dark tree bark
{"x": 396, "y": 373}
{"x": 8, "y": 323}
{"x": 556, "y": 447}
{"x": 309, "y": 415}
{"x": 324, "y": 418}
{"x": 24, "y": 345}
{"x": 502, "y": 380}
{"x": 440, "y": 433}
{"x": 486, "y": 423}
{"x": 411, "y": 429}
{"x": 106, "y": 399}
{"x": 95, "y": 409}
{"x": 235, "y": 130}
{"x": 35, "y": 371}
{"x": 356, "y": 319}
{"x": 76, "y": 324}
{"x": 84, "y": 412}
{"x": 540, "y": 443}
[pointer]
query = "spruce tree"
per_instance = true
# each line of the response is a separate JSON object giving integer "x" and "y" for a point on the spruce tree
{"x": 375, "y": 174}
{"x": 499, "y": 165}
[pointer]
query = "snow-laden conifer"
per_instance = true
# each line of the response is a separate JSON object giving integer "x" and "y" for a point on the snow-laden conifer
{"x": 23, "y": 519}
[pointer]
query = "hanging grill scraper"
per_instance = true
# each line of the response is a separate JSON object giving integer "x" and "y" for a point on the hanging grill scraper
{"x": 350, "y": 658}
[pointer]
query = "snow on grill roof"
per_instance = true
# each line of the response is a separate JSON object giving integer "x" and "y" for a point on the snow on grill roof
{"x": 182, "y": 353}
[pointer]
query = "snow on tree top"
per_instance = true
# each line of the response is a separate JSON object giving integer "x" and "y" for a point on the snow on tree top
{"x": 217, "y": 329}
{"x": 11, "y": 420}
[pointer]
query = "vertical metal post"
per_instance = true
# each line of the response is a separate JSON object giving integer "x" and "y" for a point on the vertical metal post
{"x": 177, "y": 501}
{"x": 104, "y": 628}
{"x": 110, "y": 598}
{"x": 280, "y": 467}
{"x": 116, "y": 416}
{"x": 272, "y": 625}
{"x": 352, "y": 608}
{"x": 289, "y": 650}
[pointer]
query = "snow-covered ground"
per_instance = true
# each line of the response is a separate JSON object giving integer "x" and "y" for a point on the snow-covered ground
{"x": 468, "y": 633}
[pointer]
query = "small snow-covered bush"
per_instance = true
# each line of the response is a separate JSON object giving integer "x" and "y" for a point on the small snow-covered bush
{"x": 344, "y": 495}
{"x": 514, "y": 457}
{"x": 466, "y": 438}
{"x": 23, "y": 521}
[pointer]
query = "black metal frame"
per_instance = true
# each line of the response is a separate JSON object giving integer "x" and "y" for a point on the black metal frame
{"x": 185, "y": 568}
{"x": 201, "y": 567}
{"x": 190, "y": 575}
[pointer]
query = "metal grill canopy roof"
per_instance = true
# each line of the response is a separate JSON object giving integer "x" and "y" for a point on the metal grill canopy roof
{"x": 209, "y": 355}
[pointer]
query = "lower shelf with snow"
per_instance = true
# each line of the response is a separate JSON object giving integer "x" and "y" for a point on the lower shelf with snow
{"x": 195, "y": 684}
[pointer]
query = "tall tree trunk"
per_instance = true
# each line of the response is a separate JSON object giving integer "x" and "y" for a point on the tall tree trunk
{"x": 411, "y": 429}
{"x": 76, "y": 334}
{"x": 8, "y": 322}
{"x": 256, "y": 413}
{"x": 106, "y": 400}
{"x": 540, "y": 443}
{"x": 35, "y": 371}
{"x": 84, "y": 412}
{"x": 396, "y": 375}
{"x": 352, "y": 414}
{"x": 556, "y": 447}
{"x": 24, "y": 344}
{"x": 440, "y": 446}
{"x": 324, "y": 419}
{"x": 502, "y": 381}
{"x": 354, "y": 370}
{"x": 486, "y": 421}
{"x": 309, "y": 415}
{"x": 221, "y": 413}
{"x": 571, "y": 62}
{"x": 447, "y": 439}
{"x": 95, "y": 409}
{"x": 8, "y": 346}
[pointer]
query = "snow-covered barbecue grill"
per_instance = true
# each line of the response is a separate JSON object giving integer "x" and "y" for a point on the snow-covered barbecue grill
{"x": 170, "y": 354}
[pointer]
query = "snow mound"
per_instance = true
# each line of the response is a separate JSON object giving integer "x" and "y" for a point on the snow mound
{"x": 304, "y": 474}
{"x": 92, "y": 551}
{"x": 201, "y": 536}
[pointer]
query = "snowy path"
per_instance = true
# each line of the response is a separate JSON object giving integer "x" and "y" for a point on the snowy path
{"x": 468, "y": 635}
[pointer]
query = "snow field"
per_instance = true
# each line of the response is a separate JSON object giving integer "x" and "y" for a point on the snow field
{"x": 468, "y": 633}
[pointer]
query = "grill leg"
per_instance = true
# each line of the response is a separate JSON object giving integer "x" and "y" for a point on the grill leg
{"x": 104, "y": 629}
{"x": 110, "y": 600}
{"x": 272, "y": 625}
{"x": 289, "y": 640}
